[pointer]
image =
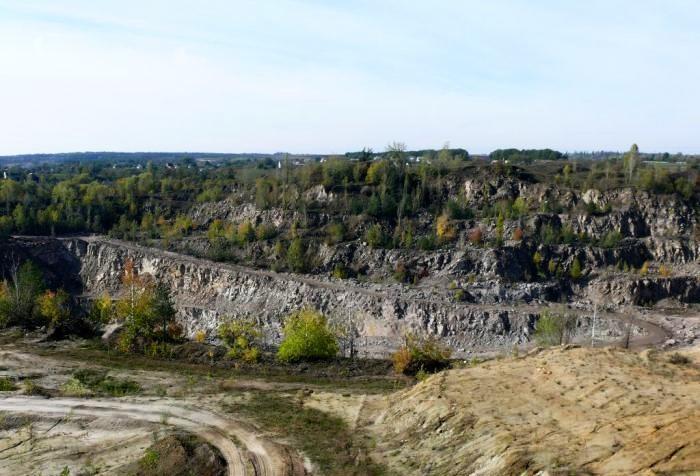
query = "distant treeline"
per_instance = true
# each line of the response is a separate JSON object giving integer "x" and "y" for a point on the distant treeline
{"x": 132, "y": 157}
{"x": 369, "y": 154}
{"x": 526, "y": 155}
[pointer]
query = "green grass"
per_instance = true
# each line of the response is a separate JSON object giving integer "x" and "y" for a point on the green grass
{"x": 326, "y": 439}
{"x": 101, "y": 383}
{"x": 7, "y": 385}
{"x": 95, "y": 354}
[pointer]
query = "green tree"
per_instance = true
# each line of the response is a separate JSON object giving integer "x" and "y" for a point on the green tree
{"x": 576, "y": 269}
{"x": 18, "y": 297}
{"x": 296, "y": 255}
{"x": 54, "y": 307}
{"x": 242, "y": 337}
{"x": 554, "y": 328}
{"x": 375, "y": 236}
{"x": 307, "y": 337}
{"x": 631, "y": 162}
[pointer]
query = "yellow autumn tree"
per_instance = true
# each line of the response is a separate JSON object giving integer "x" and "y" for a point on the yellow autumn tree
{"x": 444, "y": 229}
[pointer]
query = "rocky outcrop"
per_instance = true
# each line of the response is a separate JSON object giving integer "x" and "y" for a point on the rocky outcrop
{"x": 207, "y": 292}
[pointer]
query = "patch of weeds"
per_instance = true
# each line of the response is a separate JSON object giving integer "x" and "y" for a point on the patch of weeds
{"x": 100, "y": 382}
{"x": 74, "y": 388}
{"x": 150, "y": 459}
{"x": 679, "y": 359}
{"x": 7, "y": 385}
{"x": 32, "y": 388}
{"x": 326, "y": 439}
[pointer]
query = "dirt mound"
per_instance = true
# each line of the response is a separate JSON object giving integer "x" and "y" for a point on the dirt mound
{"x": 582, "y": 411}
{"x": 179, "y": 454}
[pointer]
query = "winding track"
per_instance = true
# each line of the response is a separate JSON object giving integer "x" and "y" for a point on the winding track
{"x": 257, "y": 457}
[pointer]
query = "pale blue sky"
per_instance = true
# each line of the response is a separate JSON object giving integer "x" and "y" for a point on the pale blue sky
{"x": 315, "y": 76}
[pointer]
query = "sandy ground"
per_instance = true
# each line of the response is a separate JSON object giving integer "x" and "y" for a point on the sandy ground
{"x": 99, "y": 435}
{"x": 564, "y": 411}
{"x": 243, "y": 450}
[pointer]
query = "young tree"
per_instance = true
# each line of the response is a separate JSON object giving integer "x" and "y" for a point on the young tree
{"x": 307, "y": 337}
{"x": 242, "y": 337}
{"x": 576, "y": 269}
{"x": 631, "y": 162}
{"x": 296, "y": 259}
{"x": 19, "y": 295}
{"x": 54, "y": 307}
{"x": 554, "y": 328}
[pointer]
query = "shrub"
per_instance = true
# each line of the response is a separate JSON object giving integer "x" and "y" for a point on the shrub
{"x": 335, "y": 233}
{"x": 426, "y": 354}
{"x": 427, "y": 242}
{"x": 575, "y": 269}
{"x": 375, "y": 236}
{"x": 101, "y": 311}
{"x": 7, "y": 385}
{"x": 242, "y": 337}
{"x": 34, "y": 389}
{"x": 307, "y": 337}
{"x": 456, "y": 211}
{"x": 296, "y": 255}
{"x": 200, "y": 336}
{"x": 644, "y": 270}
{"x": 444, "y": 230}
{"x": 401, "y": 273}
{"x": 18, "y": 297}
{"x": 554, "y": 329}
{"x": 537, "y": 260}
{"x": 100, "y": 382}
{"x": 245, "y": 232}
{"x": 664, "y": 271}
{"x": 340, "y": 271}
{"x": 265, "y": 232}
{"x": 611, "y": 239}
{"x": 54, "y": 307}
{"x": 476, "y": 236}
{"x": 679, "y": 359}
{"x": 518, "y": 234}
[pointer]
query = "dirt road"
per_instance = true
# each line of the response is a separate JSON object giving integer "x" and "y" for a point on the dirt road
{"x": 249, "y": 455}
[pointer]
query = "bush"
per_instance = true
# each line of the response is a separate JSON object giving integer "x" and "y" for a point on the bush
{"x": 679, "y": 359}
{"x": 518, "y": 234}
{"x": 476, "y": 236}
{"x": 576, "y": 269}
{"x": 340, "y": 271}
{"x": 444, "y": 229}
{"x": 296, "y": 256}
{"x": 307, "y": 337}
{"x": 426, "y": 354}
{"x": 611, "y": 239}
{"x": 554, "y": 329}
{"x": 7, "y": 385}
{"x": 375, "y": 236}
{"x": 100, "y": 382}
{"x": 242, "y": 337}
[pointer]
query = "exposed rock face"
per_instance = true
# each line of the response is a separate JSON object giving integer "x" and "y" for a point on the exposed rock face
{"x": 206, "y": 292}
{"x": 493, "y": 313}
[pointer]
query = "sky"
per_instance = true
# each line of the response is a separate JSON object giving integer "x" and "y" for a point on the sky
{"x": 332, "y": 76}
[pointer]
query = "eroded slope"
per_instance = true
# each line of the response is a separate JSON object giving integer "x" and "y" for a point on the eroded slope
{"x": 588, "y": 411}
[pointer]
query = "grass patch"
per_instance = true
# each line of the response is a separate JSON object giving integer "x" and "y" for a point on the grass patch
{"x": 326, "y": 439}
{"x": 34, "y": 389}
{"x": 7, "y": 385}
{"x": 150, "y": 459}
{"x": 101, "y": 383}
{"x": 95, "y": 354}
